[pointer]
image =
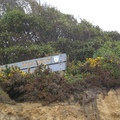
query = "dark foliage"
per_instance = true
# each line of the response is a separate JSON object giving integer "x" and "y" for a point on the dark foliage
{"x": 47, "y": 25}
{"x": 22, "y": 53}
{"x": 100, "y": 77}
{"x": 41, "y": 86}
{"x": 47, "y": 87}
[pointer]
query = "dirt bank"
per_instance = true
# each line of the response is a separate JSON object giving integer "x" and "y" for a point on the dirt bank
{"x": 109, "y": 107}
{"x": 105, "y": 107}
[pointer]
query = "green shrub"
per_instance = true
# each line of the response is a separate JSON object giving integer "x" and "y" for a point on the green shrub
{"x": 109, "y": 50}
{"x": 22, "y": 53}
{"x": 111, "y": 54}
{"x": 78, "y": 50}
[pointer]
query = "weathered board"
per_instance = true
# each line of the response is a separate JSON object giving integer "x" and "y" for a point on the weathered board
{"x": 55, "y": 63}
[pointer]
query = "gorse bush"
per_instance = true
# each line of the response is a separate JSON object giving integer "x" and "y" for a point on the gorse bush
{"x": 42, "y": 85}
{"x": 73, "y": 68}
{"x": 8, "y": 72}
{"x": 47, "y": 87}
{"x": 112, "y": 66}
{"x": 110, "y": 50}
{"x": 93, "y": 54}
{"x": 79, "y": 67}
{"x": 111, "y": 54}
{"x": 103, "y": 78}
{"x": 93, "y": 62}
{"x": 92, "y": 67}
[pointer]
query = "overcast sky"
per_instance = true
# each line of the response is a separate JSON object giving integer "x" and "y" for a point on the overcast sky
{"x": 104, "y": 13}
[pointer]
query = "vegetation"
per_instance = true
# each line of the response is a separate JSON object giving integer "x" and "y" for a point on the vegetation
{"x": 93, "y": 54}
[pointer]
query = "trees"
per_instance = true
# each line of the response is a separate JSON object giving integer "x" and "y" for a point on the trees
{"x": 15, "y": 27}
{"x": 45, "y": 24}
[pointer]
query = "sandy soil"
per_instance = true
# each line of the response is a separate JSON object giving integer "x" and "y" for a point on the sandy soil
{"x": 103, "y": 108}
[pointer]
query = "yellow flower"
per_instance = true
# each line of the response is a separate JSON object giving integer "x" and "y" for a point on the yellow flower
{"x": 10, "y": 74}
{"x": 23, "y": 73}
{"x": 93, "y": 61}
{"x": 1, "y": 75}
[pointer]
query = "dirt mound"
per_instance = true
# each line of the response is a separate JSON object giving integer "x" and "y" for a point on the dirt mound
{"x": 108, "y": 108}
{"x": 35, "y": 111}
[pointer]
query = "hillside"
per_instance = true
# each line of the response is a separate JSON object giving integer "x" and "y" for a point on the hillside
{"x": 106, "y": 108}
{"x": 89, "y": 87}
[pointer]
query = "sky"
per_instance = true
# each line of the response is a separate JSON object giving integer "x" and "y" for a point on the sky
{"x": 103, "y": 13}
